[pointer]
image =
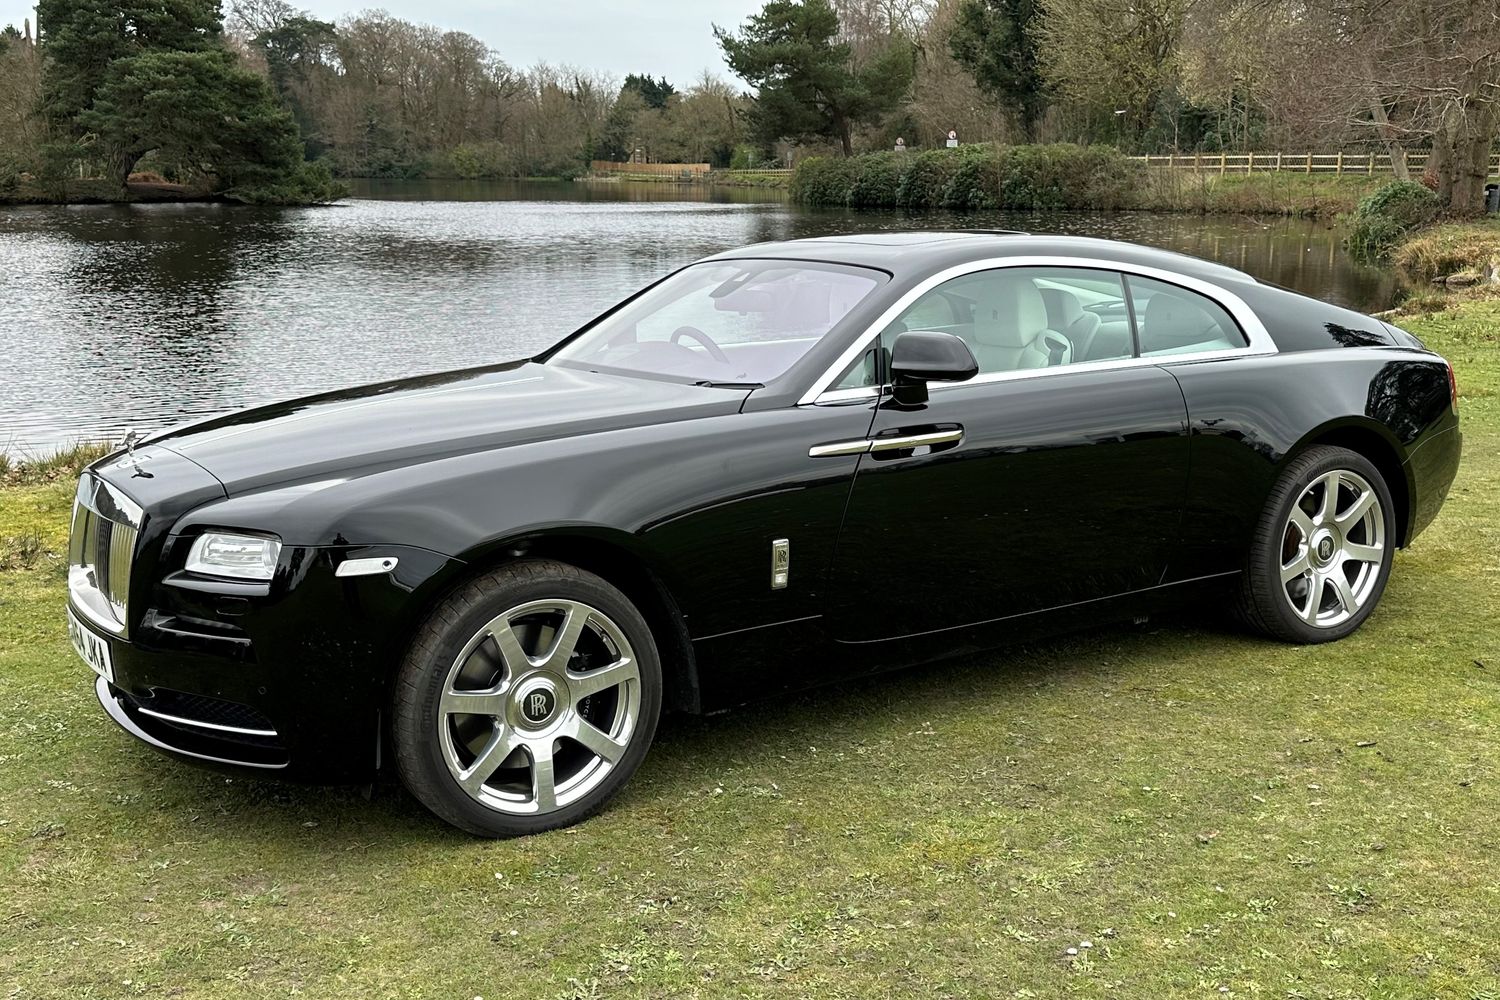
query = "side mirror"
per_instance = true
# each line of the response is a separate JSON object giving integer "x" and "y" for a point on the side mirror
{"x": 922, "y": 356}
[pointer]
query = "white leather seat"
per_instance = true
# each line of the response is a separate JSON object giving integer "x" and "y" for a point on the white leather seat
{"x": 1066, "y": 314}
{"x": 1010, "y": 326}
{"x": 1172, "y": 322}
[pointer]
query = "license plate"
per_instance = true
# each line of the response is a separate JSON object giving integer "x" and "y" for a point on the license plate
{"x": 93, "y": 650}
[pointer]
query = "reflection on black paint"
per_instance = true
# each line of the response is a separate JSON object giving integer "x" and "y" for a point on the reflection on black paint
{"x": 1346, "y": 336}
{"x": 1407, "y": 396}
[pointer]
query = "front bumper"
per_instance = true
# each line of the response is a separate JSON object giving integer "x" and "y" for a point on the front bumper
{"x": 291, "y": 683}
{"x": 187, "y": 736}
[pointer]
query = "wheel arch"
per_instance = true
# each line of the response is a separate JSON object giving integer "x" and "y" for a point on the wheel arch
{"x": 610, "y": 554}
{"x": 1376, "y": 443}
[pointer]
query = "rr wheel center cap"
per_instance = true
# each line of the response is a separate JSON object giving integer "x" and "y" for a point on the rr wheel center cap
{"x": 537, "y": 704}
{"x": 1323, "y": 547}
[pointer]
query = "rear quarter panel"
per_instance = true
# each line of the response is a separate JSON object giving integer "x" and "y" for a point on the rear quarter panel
{"x": 1249, "y": 415}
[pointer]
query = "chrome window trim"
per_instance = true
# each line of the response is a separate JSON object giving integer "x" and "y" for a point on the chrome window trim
{"x": 1260, "y": 342}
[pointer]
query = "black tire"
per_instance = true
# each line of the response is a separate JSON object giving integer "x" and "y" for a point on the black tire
{"x": 425, "y": 674}
{"x": 1263, "y": 602}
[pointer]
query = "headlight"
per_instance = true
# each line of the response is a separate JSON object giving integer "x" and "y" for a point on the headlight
{"x": 244, "y": 557}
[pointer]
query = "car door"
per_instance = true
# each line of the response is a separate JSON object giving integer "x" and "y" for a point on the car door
{"x": 1056, "y": 476}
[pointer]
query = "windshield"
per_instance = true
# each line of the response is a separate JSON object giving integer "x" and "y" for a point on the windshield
{"x": 725, "y": 321}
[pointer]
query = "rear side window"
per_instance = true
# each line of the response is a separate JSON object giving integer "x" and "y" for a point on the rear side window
{"x": 1170, "y": 319}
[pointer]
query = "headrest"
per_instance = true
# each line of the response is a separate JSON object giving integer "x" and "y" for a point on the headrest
{"x": 1008, "y": 311}
{"x": 1172, "y": 321}
{"x": 1063, "y": 308}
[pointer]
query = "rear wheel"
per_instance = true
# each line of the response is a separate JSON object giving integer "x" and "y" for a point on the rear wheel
{"x": 1322, "y": 551}
{"x": 528, "y": 698}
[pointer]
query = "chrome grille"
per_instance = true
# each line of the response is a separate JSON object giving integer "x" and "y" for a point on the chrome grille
{"x": 101, "y": 551}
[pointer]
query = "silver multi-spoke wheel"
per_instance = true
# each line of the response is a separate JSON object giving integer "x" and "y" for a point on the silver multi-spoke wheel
{"x": 539, "y": 706}
{"x": 1332, "y": 549}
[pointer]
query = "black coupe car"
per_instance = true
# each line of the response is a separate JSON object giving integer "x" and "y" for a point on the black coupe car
{"x": 779, "y": 466}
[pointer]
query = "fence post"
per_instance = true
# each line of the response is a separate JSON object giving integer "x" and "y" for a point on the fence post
{"x": 1370, "y": 163}
{"x": 1339, "y": 169}
{"x": 1278, "y": 163}
{"x": 1309, "y": 163}
{"x": 1223, "y": 161}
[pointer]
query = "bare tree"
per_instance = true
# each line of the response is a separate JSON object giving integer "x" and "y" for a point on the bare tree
{"x": 1395, "y": 74}
{"x": 21, "y": 128}
{"x": 1114, "y": 55}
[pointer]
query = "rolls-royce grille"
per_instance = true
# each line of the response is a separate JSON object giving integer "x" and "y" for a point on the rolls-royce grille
{"x": 101, "y": 550}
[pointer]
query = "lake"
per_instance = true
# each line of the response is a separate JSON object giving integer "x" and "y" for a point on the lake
{"x": 120, "y": 316}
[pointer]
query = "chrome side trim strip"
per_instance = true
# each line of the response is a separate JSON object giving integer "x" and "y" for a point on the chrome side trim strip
{"x": 204, "y": 725}
{"x": 366, "y": 567}
{"x": 1254, "y": 330}
{"x": 111, "y": 705}
{"x": 916, "y": 440}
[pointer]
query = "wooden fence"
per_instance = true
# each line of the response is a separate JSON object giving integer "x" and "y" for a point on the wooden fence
{"x": 756, "y": 172}
{"x": 653, "y": 169}
{"x": 1301, "y": 163}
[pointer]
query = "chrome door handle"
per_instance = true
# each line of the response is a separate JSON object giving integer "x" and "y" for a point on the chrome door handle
{"x": 839, "y": 448}
{"x": 917, "y": 440}
{"x": 862, "y": 445}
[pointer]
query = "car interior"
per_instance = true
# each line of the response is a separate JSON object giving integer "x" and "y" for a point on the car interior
{"x": 1014, "y": 319}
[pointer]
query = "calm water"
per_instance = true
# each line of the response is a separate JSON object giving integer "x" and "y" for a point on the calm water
{"x": 141, "y": 316}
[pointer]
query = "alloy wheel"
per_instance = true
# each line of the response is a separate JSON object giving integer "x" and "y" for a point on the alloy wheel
{"x": 1332, "y": 548}
{"x": 539, "y": 706}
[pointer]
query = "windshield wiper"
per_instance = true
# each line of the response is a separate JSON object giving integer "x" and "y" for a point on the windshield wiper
{"x": 730, "y": 385}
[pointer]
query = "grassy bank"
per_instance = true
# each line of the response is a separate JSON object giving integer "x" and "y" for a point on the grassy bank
{"x": 1063, "y": 176}
{"x": 1214, "y": 814}
{"x": 717, "y": 178}
{"x": 1271, "y": 193}
{"x": 1466, "y": 248}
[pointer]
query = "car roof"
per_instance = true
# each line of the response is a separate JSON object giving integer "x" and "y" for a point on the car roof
{"x": 914, "y": 254}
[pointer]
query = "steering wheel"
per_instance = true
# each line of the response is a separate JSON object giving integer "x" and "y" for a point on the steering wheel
{"x": 693, "y": 333}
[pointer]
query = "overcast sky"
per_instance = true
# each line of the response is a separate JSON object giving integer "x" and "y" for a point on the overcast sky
{"x": 661, "y": 37}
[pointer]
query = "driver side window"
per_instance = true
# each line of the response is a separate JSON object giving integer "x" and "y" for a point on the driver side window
{"x": 1015, "y": 318}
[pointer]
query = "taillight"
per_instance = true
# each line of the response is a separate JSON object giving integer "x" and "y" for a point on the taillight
{"x": 1453, "y": 387}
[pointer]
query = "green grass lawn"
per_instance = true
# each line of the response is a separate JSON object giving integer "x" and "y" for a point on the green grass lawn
{"x": 1215, "y": 815}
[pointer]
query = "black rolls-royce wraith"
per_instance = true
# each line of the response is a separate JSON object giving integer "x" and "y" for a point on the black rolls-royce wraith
{"x": 779, "y": 466}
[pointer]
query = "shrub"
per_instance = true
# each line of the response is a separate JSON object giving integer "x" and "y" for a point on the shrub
{"x": 975, "y": 182}
{"x": 1388, "y": 214}
{"x": 1409, "y": 203}
{"x": 974, "y": 177}
{"x": 312, "y": 184}
{"x": 824, "y": 180}
{"x": 926, "y": 179}
{"x": 877, "y": 180}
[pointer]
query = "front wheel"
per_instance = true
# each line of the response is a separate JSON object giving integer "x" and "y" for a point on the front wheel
{"x": 1322, "y": 551}
{"x": 527, "y": 700}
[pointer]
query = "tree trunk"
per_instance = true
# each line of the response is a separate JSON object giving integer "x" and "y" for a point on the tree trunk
{"x": 121, "y": 163}
{"x": 846, "y": 138}
{"x": 1461, "y": 152}
{"x": 1468, "y": 171}
{"x": 1387, "y": 138}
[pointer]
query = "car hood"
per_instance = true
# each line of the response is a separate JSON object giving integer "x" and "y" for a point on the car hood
{"x": 369, "y": 429}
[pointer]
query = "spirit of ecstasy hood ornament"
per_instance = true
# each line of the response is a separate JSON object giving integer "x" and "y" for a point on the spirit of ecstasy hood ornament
{"x": 132, "y": 438}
